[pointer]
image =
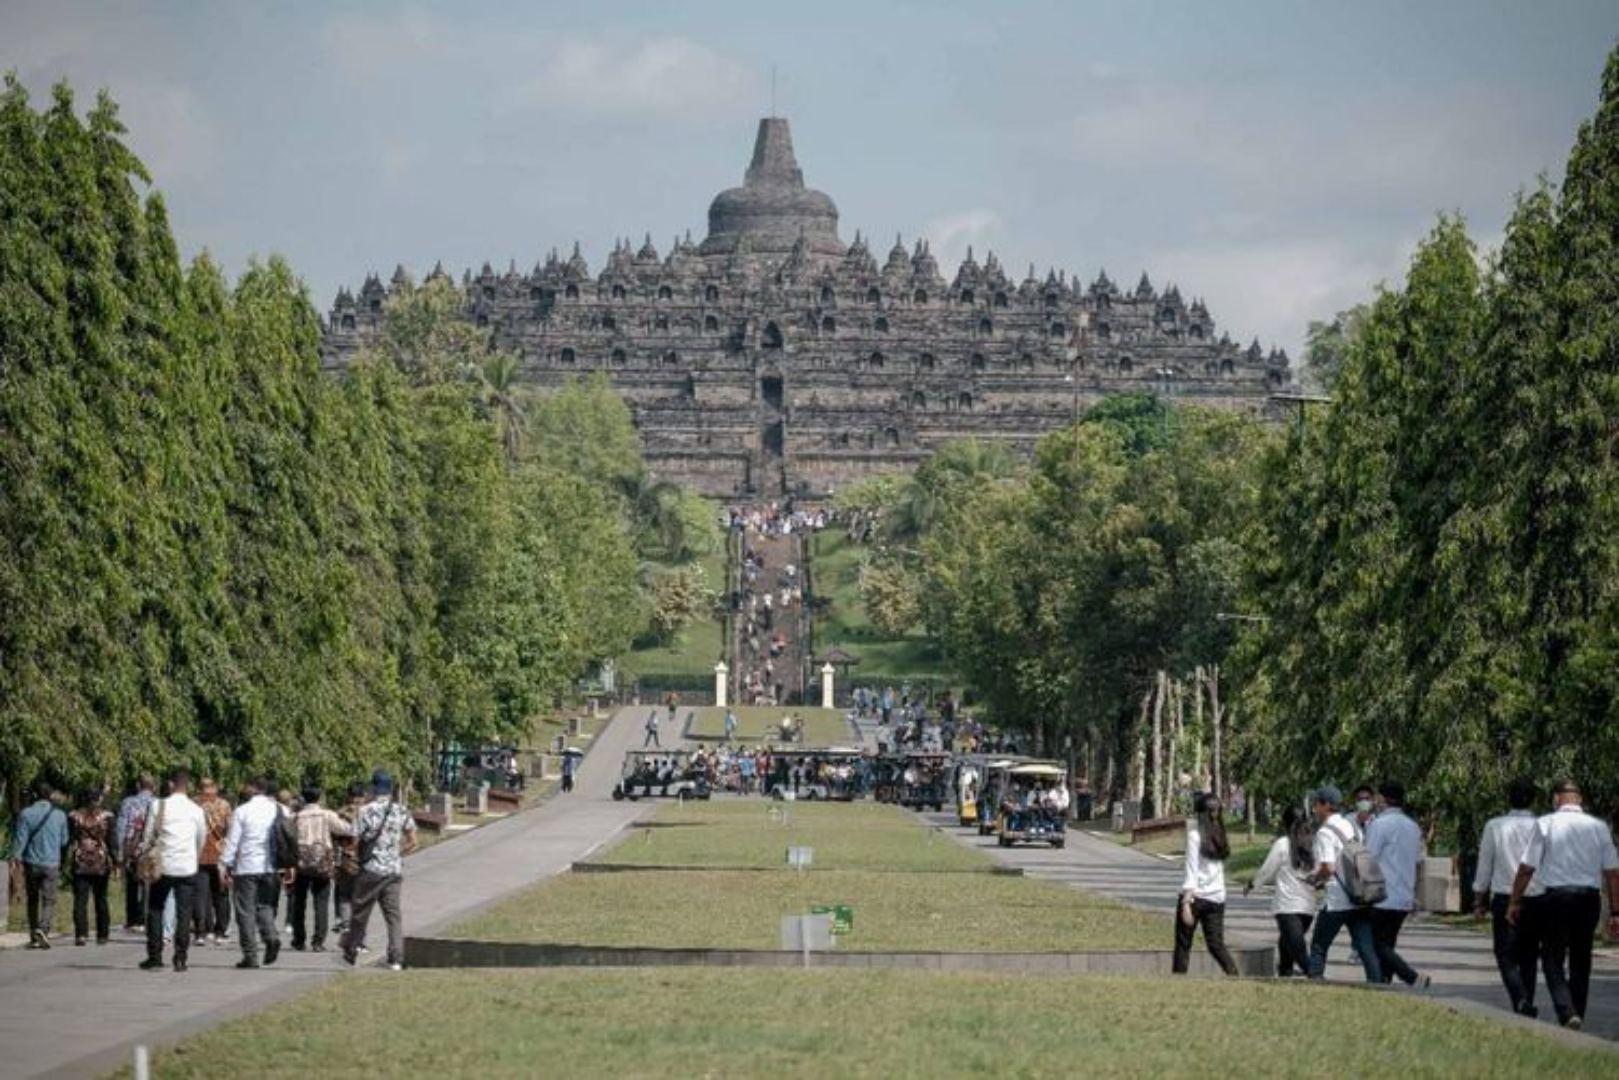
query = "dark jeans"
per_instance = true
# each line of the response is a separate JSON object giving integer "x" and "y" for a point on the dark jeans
{"x": 134, "y": 897}
{"x": 343, "y": 900}
{"x": 41, "y": 882}
{"x": 1517, "y": 948}
{"x": 303, "y": 889}
{"x": 1386, "y": 935}
{"x": 1211, "y": 917}
{"x": 1359, "y": 924}
{"x": 159, "y": 890}
{"x": 1568, "y": 921}
{"x": 211, "y": 910}
{"x": 84, "y": 887}
{"x": 255, "y": 911}
{"x": 371, "y": 890}
{"x": 1293, "y": 944}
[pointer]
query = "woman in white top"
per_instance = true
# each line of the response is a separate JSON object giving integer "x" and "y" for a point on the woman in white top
{"x": 1202, "y": 897}
{"x": 1290, "y": 869}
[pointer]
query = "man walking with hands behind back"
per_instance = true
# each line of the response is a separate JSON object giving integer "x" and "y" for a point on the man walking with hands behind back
{"x": 386, "y": 833}
{"x": 1570, "y": 855}
{"x": 248, "y": 865}
{"x": 177, "y": 830}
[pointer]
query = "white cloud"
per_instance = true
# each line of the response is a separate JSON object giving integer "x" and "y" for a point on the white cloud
{"x": 1273, "y": 290}
{"x": 171, "y": 130}
{"x": 951, "y": 234}
{"x": 664, "y": 76}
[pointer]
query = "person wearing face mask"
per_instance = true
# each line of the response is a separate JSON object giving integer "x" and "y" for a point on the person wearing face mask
{"x": 1365, "y": 807}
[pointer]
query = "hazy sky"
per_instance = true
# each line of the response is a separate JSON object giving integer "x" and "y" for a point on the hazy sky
{"x": 1278, "y": 159}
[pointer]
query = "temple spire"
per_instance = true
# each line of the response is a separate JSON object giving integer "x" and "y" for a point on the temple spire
{"x": 773, "y": 160}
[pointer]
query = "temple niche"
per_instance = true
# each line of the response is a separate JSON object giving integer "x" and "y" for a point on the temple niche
{"x": 775, "y": 358}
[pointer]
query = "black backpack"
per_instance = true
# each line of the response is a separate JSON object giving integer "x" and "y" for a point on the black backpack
{"x": 285, "y": 839}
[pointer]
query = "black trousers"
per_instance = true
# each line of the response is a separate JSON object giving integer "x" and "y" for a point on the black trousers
{"x": 159, "y": 890}
{"x": 1386, "y": 936}
{"x": 1517, "y": 948}
{"x": 211, "y": 909}
{"x": 86, "y": 887}
{"x": 1568, "y": 923}
{"x": 1293, "y": 944}
{"x": 134, "y": 897}
{"x": 1211, "y": 917}
{"x": 303, "y": 889}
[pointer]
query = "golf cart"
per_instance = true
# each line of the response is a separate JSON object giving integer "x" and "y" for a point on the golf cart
{"x": 663, "y": 774}
{"x": 922, "y": 780}
{"x": 992, "y": 789}
{"x": 1027, "y": 815}
{"x": 816, "y": 775}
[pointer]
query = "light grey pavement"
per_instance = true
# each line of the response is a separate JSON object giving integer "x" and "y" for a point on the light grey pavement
{"x": 1460, "y": 961}
{"x": 80, "y": 1011}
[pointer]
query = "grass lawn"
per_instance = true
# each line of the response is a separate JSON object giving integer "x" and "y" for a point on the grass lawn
{"x": 854, "y": 836}
{"x": 877, "y": 859}
{"x": 698, "y": 648}
{"x": 677, "y": 1022}
{"x": 822, "y": 727}
{"x": 842, "y": 622}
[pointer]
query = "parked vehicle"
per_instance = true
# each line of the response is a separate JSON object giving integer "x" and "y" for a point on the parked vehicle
{"x": 661, "y": 774}
{"x": 1034, "y": 807}
{"x": 836, "y": 773}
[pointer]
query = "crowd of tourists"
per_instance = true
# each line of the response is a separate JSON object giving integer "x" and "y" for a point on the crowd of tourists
{"x": 1353, "y": 867}
{"x": 192, "y": 860}
{"x": 767, "y": 599}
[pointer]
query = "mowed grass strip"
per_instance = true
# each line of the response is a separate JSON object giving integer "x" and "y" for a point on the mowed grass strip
{"x": 586, "y": 1023}
{"x": 752, "y": 833}
{"x": 741, "y": 909}
{"x": 762, "y": 723}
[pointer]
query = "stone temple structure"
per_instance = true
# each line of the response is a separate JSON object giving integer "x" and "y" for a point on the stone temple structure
{"x": 775, "y": 358}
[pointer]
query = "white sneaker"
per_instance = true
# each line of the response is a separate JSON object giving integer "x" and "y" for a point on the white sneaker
{"x": 396, "y": 967}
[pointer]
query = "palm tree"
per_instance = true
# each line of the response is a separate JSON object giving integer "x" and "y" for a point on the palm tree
{"x": 952, "y": 467}
{"x": 500, "y": 394}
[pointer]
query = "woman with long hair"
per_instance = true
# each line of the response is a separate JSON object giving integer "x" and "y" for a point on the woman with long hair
{"x": 1202, "y": 899}
{"x": 1289, "y": 868}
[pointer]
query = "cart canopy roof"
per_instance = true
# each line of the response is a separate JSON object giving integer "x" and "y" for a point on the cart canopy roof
{"x": 1041, "y": 769}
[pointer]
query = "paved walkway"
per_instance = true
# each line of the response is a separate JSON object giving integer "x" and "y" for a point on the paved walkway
{"x": 1460, "y": 961}
{"x": 79, "y": 1012}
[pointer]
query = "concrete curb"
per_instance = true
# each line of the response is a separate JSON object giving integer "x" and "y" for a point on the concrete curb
{"x": 424, "y": 952}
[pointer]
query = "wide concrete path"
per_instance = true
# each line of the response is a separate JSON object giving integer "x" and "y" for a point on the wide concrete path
{"x": 1460, "y": 961}
{"x": 80, "y": 1011}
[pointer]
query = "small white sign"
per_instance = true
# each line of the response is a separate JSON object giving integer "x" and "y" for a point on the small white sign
{"x": 800, "y": 857}
{"x": 806, "y": 933}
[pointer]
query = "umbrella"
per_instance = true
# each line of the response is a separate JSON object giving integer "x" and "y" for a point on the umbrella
{"x": 575, "y": 751}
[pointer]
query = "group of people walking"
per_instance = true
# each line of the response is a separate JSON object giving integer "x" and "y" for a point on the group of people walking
{"x": 1354, "y": 868}
{"x": 191, "y": 863}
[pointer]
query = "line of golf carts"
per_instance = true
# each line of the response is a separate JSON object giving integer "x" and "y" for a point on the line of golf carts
{"x": 1017, "y": 800}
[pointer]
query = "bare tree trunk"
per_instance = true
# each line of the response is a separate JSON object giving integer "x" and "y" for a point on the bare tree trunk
{"x": 1197, "y": 714}
{"x": 1138, "y": 759}
{"x": 1177, "y": 723}
{"x": 1216, "y": 717}
{"x": 1160, "y": 691}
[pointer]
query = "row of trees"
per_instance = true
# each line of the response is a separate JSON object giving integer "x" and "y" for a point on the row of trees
{"x": 212, "y": 553}
{"x": 1419, "y": 579}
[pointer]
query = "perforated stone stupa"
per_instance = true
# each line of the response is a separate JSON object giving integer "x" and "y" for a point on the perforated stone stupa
{"x": 775, "y": 358}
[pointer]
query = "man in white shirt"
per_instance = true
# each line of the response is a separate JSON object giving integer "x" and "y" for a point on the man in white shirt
{"x": 1501, "y": 851}
{"x": 1395, "y": 842}
{"x": 177, "y": 828}
{"x": 1340, "y": 912}
{"x": 248, "y": 864}
{"x": 1571, "y": 854}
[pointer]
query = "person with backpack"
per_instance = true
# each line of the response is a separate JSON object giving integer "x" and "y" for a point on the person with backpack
{"x": 1202, "y": 898}
{"x": 253, "y": 868}
{"x": 91, "y": 826}
{"x": 167, "y": 863}
{"x": 1353, "y": 885}
{"x": 37, "y": 844}
{"x": 317, "y": 828}
{"x": 1572, "y": 856}
{"x": 1395, "y": 842}
{"x": 127, "y": 833}
{"x": 1289, "y": 868}
{"x": 386, "y": 832}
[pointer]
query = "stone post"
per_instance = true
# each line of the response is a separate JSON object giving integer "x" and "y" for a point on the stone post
{"x": 720, "y": 683}
{"x": 826, "y": 686}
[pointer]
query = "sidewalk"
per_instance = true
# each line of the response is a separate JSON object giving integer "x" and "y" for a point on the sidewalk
{"x": 80, "y": 1011}
{"x": 1460, "y": 961}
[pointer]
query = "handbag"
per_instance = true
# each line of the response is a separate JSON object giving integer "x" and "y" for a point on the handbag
{"x": 149, "y": 864}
